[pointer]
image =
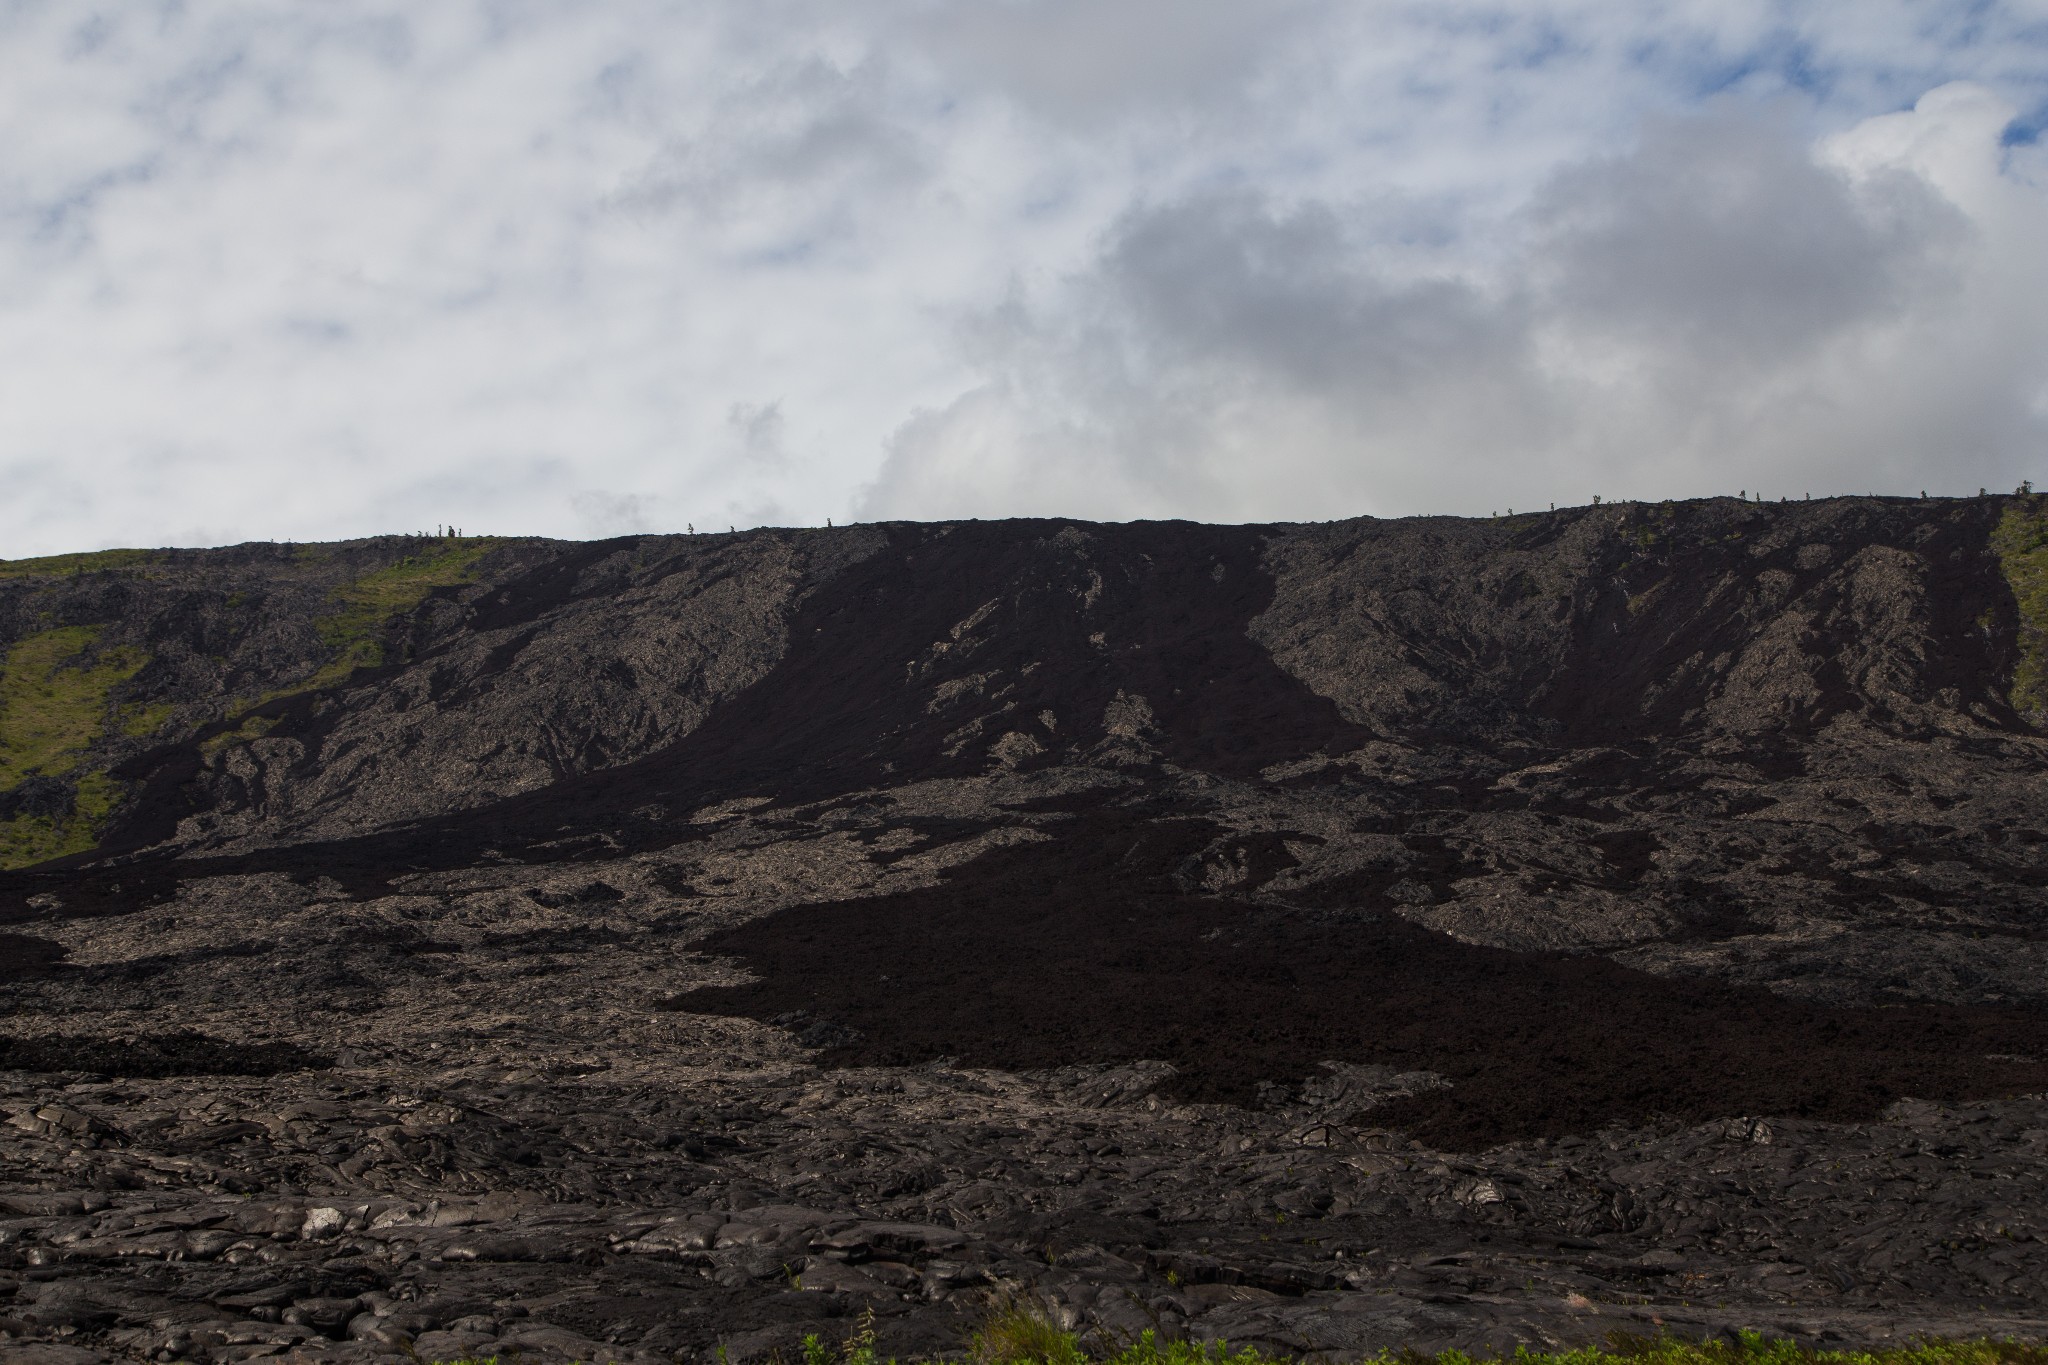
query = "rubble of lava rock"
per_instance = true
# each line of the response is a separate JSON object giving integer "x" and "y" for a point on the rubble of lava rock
{"x": 363, "y": 1214}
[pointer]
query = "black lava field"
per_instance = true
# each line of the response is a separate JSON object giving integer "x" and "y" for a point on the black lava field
{"x": 1328, "y": 937}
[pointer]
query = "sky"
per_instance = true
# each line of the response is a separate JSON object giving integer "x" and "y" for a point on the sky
{"x": 315, "y": 269}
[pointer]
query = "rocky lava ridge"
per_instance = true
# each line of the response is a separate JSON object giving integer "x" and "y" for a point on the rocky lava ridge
{"x": 1327, "y": 937}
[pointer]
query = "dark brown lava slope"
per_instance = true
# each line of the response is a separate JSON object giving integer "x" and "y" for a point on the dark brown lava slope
{"x": 1170, "y": 847}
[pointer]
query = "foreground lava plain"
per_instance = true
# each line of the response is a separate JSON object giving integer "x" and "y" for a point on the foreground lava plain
{"x": 1324, "y": 939}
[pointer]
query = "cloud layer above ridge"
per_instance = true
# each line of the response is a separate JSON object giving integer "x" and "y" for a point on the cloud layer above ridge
{"x": 284, "y": 272}
{"x": 1721, "y": 306}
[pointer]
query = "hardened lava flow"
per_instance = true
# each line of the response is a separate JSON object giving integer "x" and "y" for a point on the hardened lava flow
{"x": 1325, "y": 938}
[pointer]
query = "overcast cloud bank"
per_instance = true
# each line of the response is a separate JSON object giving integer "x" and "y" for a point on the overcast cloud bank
{"x": 1721, "y": 307}
{"x": 273, "y": 271}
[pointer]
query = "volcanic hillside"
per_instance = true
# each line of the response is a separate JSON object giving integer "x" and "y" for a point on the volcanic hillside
{"x": 1465, "y": 832}
{"x": 1314, "y": 791}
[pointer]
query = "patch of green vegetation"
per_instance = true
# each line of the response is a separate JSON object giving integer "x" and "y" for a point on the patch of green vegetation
{"x": 29, "y": 839}
{"x": 54, "y": 703}
{"x": 138, "y": 719}
{"x": 252, "y": 727}
{"x": 354, "y": 628}
{"x": 2021, "y": 543}
{"x": 53, "y": 699}
{"x": 1032, "y": 1341}
{"x": 363, "y": 607}
{"x": 52, "y": 566}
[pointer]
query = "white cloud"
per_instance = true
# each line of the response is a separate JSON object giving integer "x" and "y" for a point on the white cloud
{"x": 612, "y": 514}
{"x": 1724, "y": 305}
{"x": 1081, "y": 61}
{"x": 282, "y": 271}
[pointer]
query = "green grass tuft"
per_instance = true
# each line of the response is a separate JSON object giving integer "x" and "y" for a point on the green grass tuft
{"x": 2021, "y": 542}
{"x": 1018, "y": 1329}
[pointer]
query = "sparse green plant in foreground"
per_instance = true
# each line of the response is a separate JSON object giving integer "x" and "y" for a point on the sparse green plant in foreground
{"x": 2021, "y": 542}
{"x": 1018, "y": 1329}
{"x": 1749, "y": 1349}
{"x": 1045, "y": 1344}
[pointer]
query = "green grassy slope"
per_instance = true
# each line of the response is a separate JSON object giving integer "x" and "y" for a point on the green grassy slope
{"x": 2021, "y": 542}
{"x": 55, "y": 704}
{"x": 62, "y": 715}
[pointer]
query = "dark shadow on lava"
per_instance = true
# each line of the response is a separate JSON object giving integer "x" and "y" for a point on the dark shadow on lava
{"x": 1085, "y": 949}
{"x": 155, "y": 1056}
{"x": 24, "y": 957}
